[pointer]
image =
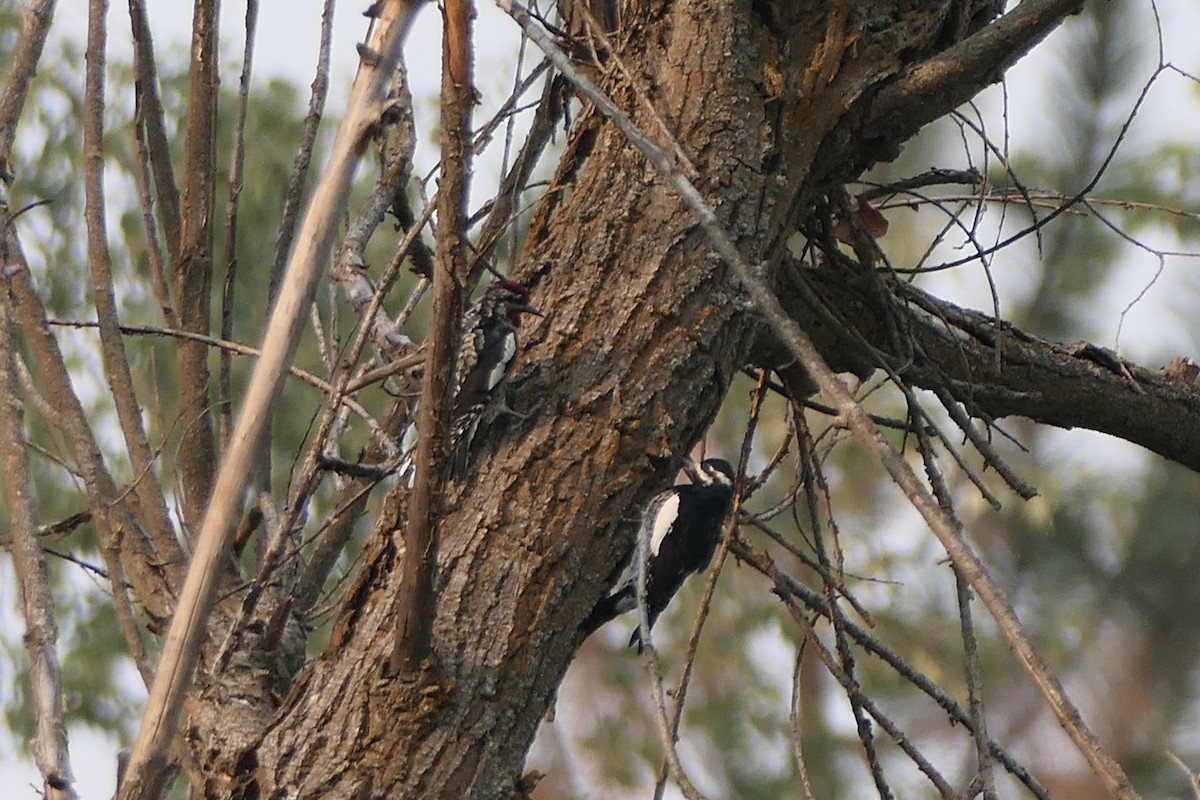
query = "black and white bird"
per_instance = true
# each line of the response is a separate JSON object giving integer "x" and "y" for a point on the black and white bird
{"x": 683, "y": 525}
{"x": 486, "y": 350}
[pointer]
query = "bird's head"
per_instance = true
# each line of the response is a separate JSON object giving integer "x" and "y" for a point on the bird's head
{"x": 716, "y": 471}
{"x": 511, "y": 299}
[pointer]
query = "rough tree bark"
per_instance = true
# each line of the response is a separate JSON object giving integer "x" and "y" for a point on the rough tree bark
{"x": 775, "y": 105}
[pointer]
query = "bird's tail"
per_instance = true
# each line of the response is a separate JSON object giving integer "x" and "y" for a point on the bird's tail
{"x": 609, "y": 608}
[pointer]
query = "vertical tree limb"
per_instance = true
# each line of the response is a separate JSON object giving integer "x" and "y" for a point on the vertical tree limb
{"x": 152, "y": 119}
{"x": 49, "y": 744}
{"x": 237, "y": 170}
{"x": 193, "y": 271}
{"x": 414, "y": 618}
{"x": 308, "y": 138}
{"x": 147, "y": 489}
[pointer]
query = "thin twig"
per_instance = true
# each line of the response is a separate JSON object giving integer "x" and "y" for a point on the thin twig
{"x": 862, "y": 705}
{"x": 740, "y": 493}
{"x": 304, "y": 152}
{"x": 794, "y": 723}
{"x": 654, "y": 673}
{"x": 974, "y": 674}
{"x": 788, "y": 588}
{"x": 238, "y": 348}
{"x": 959, "y": 415}
{"x": 22, "y": 68}
{"x": 237, "y": 169}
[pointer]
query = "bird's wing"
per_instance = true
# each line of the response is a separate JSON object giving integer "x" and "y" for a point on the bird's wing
{"x": 660, "y": 516}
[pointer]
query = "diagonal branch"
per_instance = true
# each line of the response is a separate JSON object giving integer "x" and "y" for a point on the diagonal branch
{"x": 115, "y": 525}
{"x": 38, "y": 14}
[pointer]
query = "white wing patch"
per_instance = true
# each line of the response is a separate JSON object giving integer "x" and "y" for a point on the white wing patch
{"x": 508, "y": 349}
{"x": 668, "y": 510}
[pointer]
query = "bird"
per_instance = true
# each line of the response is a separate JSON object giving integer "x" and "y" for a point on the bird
{"x": 487, "y": 346}
{"x": 683, "y": 526}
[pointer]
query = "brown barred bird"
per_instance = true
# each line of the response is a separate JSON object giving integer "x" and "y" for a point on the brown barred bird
{"x": 485, "y": 355}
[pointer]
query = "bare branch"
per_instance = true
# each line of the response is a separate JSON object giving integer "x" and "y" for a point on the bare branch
{"x": 115, "y": 525}
{"x": 787, "y": 587}
{"x": 237, "y": 171}
{"x": 361, "y": 382}
{"x": 37, "y": 607}
{"x": 151, "y": 499}
{"x": 149, "y": 115}
{"x": 974, "y": 674}
{"x": 665, "y": 733}
{"x": 957, "y": 74}
{"x": 193, "y": 270}
{"x": 308, "y": 138}
{"x": 38, "y": 14}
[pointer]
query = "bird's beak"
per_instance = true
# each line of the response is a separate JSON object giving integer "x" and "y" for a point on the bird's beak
{"x": 528, "y": 309}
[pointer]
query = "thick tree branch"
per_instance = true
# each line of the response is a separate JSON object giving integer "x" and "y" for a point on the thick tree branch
{"x": 194, "y": 267}
{"x": 1068, "y": 386}
{"x": 999, "y": 371}
{"x": 939, "y": 84}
